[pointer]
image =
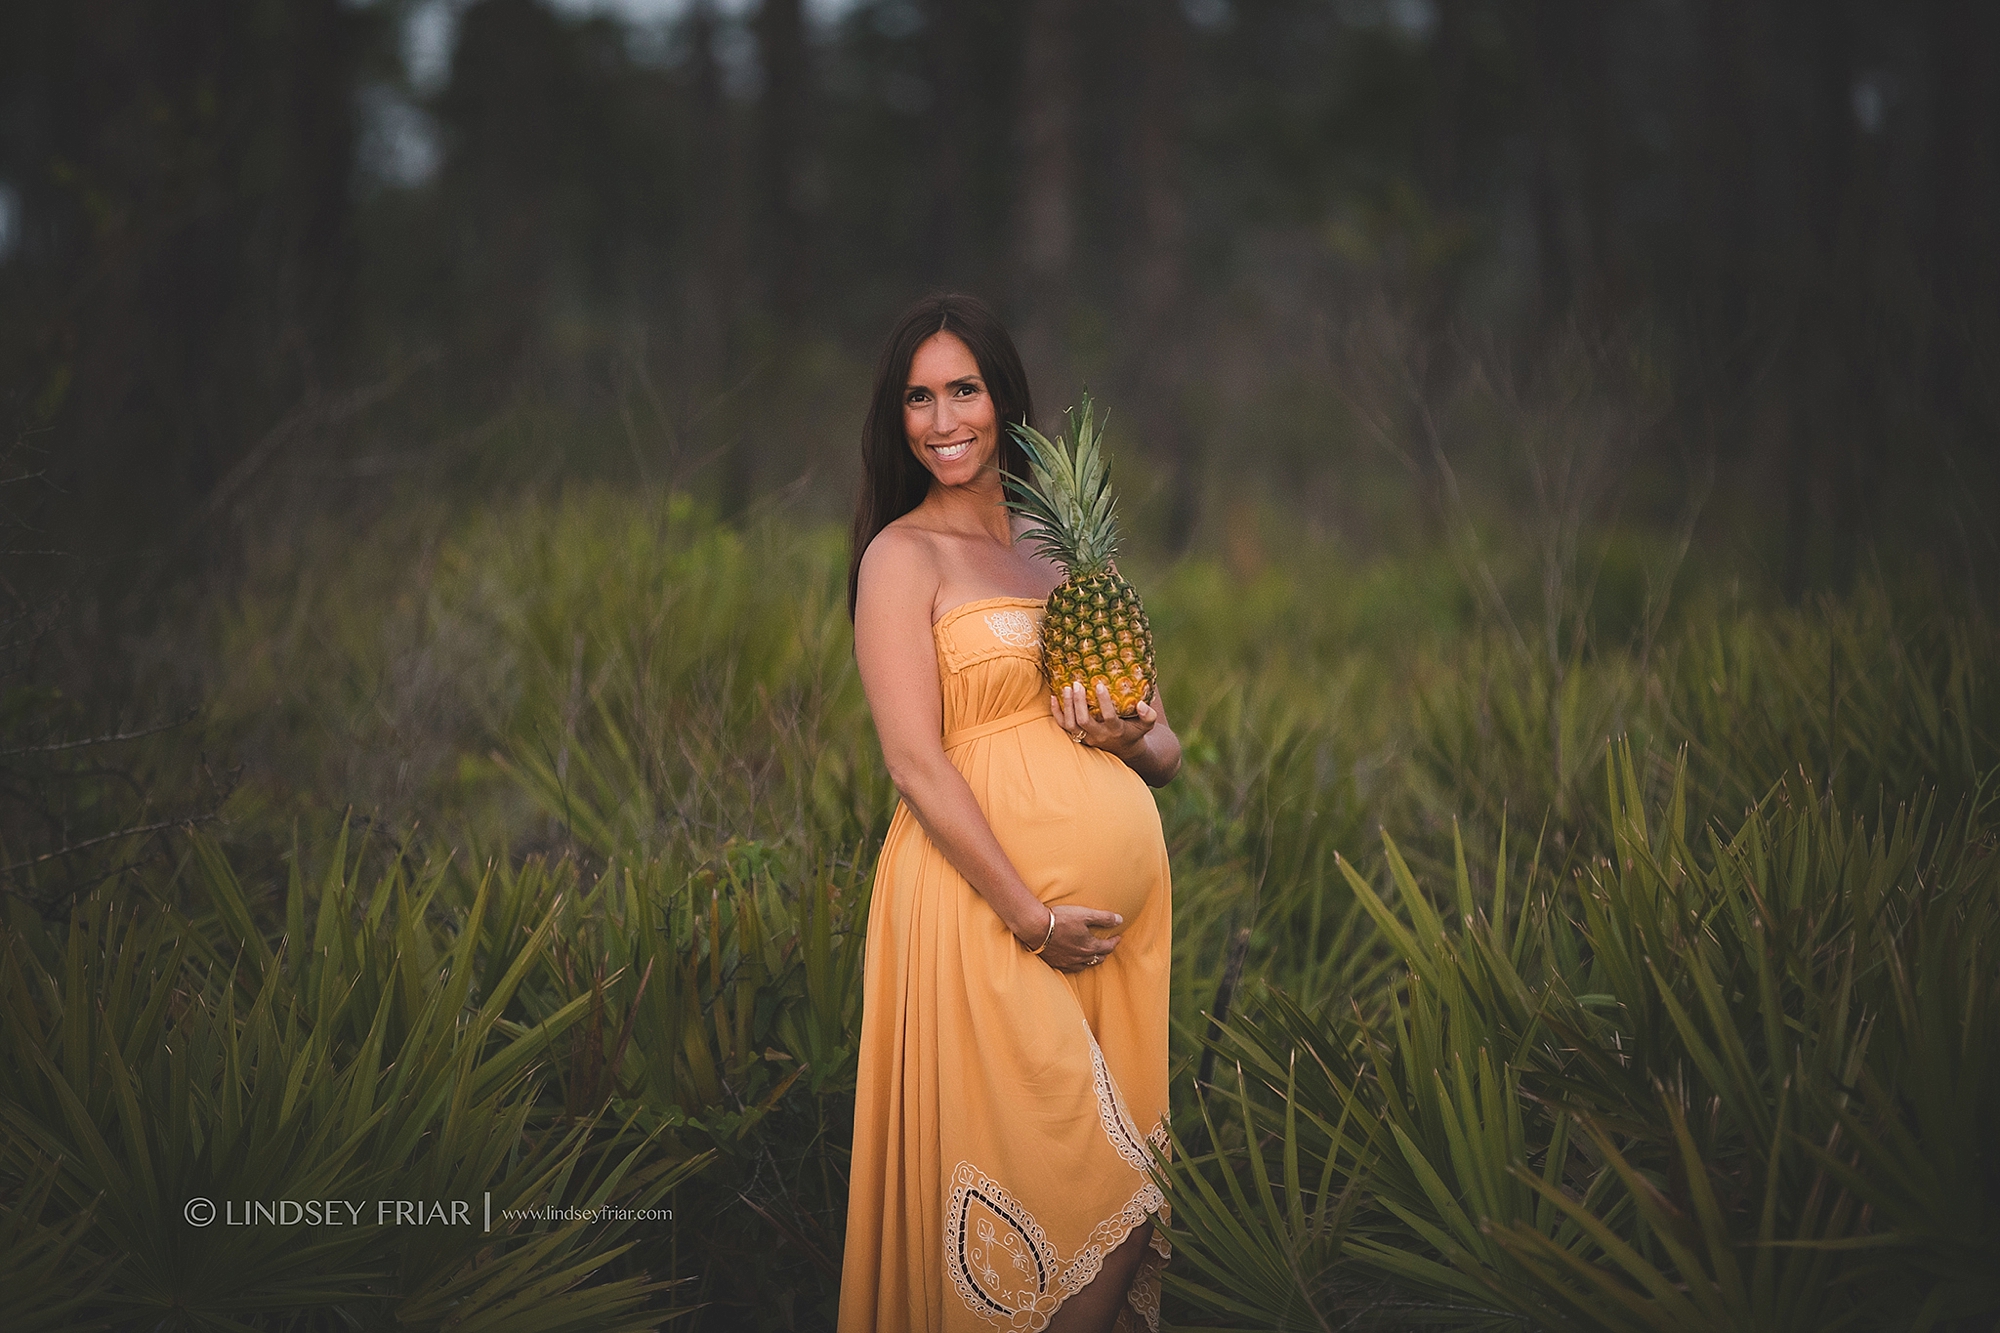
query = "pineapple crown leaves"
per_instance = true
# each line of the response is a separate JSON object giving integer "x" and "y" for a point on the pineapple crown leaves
{"x": 1067, "y": 497}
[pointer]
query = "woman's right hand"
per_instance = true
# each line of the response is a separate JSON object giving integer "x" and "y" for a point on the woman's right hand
{"x": 1075, "y": 943}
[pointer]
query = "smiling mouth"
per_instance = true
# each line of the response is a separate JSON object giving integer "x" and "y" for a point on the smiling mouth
{"x": 948, "y": 452}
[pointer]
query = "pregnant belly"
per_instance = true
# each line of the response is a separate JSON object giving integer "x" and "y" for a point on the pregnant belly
{"x": 1081, "y": 829}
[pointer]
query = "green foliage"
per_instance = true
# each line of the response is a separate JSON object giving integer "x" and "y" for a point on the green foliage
{"x": 156, "y": 1055}
{"x": 1067, "y": 496}
{"x": 45, "y": 1279}
{"x": 719, "y": 1010}
{"x": 594, "y": 674}
{"x": 1706, "y": 1081}
{"x": 1876, "y": 700}
{"x": 1697, "y": 1051}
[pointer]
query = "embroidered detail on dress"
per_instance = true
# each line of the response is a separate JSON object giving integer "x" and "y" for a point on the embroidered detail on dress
{"x": 1107, "y": 1235}
{"x": 1015, "y": 628}
{"x": 1125, "y": 1137}
{"x": 1144, "y": 1297}
{"x": 1163, "y": 1143}
{"x": 1000, "y": 1259}
{"x": 1118, "y": 1126}
{"x": 1005, "y": 1268}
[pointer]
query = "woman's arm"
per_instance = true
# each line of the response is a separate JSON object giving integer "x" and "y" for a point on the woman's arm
{"x": 898, "y": 661}
{"x": 1146, "y": 743}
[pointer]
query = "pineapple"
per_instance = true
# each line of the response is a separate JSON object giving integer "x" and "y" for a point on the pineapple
{"x": 1095, "y": 629}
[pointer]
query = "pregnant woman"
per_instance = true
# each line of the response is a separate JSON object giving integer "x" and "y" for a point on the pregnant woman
{"x": 1013, "y": 1062}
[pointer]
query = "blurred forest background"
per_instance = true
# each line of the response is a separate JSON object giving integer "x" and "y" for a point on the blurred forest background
{"x": 1557, "y": 440}
{"x": 1311, "y": 251}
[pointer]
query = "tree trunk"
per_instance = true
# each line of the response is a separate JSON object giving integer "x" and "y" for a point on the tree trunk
{"x": 948, "y": 54}
{"x": 715, "y": 287}
{"x": 1159, "y": 267}
{"x": 1720, "y": 173}
{"x": 1044, "y": 221}
{"x": 781, "y": 154}
{"x": 1964, "y": 171}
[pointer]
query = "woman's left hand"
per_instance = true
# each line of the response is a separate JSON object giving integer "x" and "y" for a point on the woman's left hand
{"x": 1102, "y": 727}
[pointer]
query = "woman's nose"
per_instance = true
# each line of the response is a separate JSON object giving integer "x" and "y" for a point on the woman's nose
{"x": 944, "y": 419}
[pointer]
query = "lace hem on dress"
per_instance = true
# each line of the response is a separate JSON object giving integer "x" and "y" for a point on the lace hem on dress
{"x": 1001, "y": 1260}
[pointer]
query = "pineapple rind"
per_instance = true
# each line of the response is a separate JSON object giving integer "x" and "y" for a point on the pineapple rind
{"x": 1096, "y": 632}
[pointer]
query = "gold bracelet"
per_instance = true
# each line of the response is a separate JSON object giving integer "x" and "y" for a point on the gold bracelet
{"x": 1046, "y": 938}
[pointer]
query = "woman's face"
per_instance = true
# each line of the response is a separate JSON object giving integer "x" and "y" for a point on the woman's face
{"x": 948, "y": 416}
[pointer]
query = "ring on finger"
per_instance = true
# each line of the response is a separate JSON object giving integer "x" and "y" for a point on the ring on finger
{"x": 1095, "y": 960}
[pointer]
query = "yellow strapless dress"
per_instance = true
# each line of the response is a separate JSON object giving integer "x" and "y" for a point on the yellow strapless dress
{"x": 1004, "y": 1108}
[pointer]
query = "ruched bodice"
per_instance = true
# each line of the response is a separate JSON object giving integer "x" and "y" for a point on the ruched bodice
{"x": 1005, "y": 1110}
{"x": 989, "y": 665}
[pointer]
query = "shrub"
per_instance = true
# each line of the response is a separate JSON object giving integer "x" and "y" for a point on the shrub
{"x": 156, "y": 1056}
{"x": 1704, "y": 1082}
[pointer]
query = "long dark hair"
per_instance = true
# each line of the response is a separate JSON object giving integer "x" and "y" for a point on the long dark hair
{"x": 893, "y": 482}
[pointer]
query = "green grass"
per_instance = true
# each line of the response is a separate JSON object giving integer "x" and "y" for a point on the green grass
{"x": 1698, "y": 1046}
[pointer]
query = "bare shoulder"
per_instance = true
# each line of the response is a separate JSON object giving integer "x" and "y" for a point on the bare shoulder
{"x": 902, "y": 565}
